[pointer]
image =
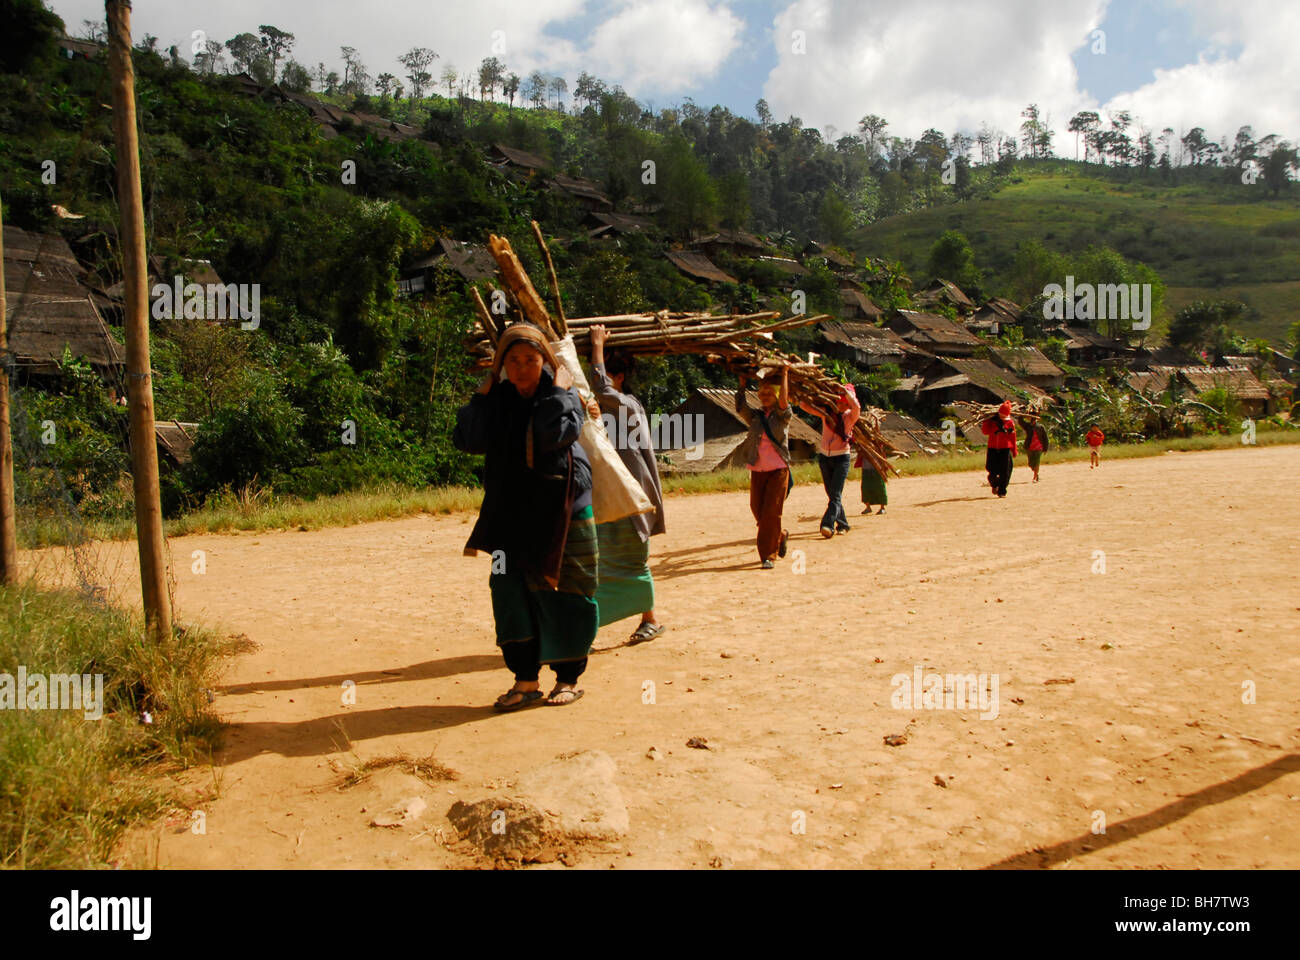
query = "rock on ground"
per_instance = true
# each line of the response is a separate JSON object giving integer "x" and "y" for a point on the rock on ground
{"x": 572, "y": 799}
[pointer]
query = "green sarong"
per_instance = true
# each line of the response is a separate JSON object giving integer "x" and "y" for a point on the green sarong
{"x": 1035, "y": 458}
{"x": 873, "y": 487}
{"x": 626, "y": 587}
{"x": 564, "y": 620}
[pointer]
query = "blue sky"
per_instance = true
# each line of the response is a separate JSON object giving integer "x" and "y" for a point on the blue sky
{"x": 952, "y": 64}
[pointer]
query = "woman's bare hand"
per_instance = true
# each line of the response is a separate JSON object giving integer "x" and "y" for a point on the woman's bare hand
{"x": 598, "y": 334}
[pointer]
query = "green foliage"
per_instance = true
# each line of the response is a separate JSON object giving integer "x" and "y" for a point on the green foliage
{"x": 835, "y": 218}
{"x": 256, "y": 439}
{"x": 1220, "y": 409}
{"x": 684, "y": 187}
{"x": 28, "y": 34}
{"x": 1071, "y": 419}
{"x": 87, "y": 462}
{"x": 1054, "y": 349}
{"x": 951, "y": 258}
{"x": 608, "y": 285}
{"x": 1209, "y": 325}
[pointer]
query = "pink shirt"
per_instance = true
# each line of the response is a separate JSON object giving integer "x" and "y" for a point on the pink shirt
{"x": 769, "y": 458}
{"x": 832, "y": 445}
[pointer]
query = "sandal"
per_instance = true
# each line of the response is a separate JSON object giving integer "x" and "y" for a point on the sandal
{"x": 573, "y": 694}
{"x": 526, "y": 698}
{"x": 647, "y": 631}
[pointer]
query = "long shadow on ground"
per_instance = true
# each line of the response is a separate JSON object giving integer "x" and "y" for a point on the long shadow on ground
{"x": 1043, "y": 857}
{"x": 428, "y": 670}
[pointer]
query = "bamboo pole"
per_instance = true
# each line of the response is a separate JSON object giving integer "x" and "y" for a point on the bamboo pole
{"x": 485, "y": 317}
{"x": 8, "y": 529}
{"x": 560, "y": 322}
{"x": 144, "y": 450}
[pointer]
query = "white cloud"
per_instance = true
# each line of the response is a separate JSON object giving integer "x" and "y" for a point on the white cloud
{"x": 664, "y": 46}
{"x": 949, "y": 64}
{"x": 1257, "y": 87}
{"x": 953, "y": 64}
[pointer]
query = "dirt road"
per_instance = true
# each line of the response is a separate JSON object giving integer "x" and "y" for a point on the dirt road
{"x": 1120, "y": 694}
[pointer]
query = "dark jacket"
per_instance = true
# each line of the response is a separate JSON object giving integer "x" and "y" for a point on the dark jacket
{"x": 778, "y": 422}
{"x": 536, "y": 475}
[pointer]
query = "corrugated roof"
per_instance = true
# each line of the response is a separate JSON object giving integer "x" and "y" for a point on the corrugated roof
{"x": 1238, "y": 380}
{"x": 733, "y": 238}
{"x": 784, "y": 263}
{"x": 176, "y": 438}
{"x": 1154, "y": 380}
{"x": 521, "y": 158}
{"x": 623, "y": 223}
{"x": 946, "y": 290}
{"x": 578, "y": 187}
{"x": 470, "y": 260}
{"x": 867, "y": 338}
{"x": 698, "y": 265}
{"x": 929, "y": 328}
{"x": 1025, "y": 361}
{"x": 985, "y": 374}
{"x": 853, "y": 297}
{"x": 1079, "y": 337}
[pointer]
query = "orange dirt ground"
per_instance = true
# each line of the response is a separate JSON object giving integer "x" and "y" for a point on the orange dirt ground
{"x": 788, "y": 676}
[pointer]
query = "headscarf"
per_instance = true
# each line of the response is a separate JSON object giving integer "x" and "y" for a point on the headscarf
{"x": 1004, "y": 411}
{"x": 534, "y": 337}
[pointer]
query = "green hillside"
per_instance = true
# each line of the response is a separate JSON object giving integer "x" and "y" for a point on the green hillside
{"x": 1203, "y": 240}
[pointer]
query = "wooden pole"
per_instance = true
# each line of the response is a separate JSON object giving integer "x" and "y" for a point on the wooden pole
{"x": 560, "y": 322}
{"x": 144, "y": 450}
{"x": 8, "y": 530}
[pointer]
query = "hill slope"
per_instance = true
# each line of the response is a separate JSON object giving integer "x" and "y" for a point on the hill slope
{"x": 1203, "y": 240}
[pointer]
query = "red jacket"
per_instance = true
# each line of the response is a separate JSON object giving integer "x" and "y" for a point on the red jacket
{"x": 1095, "y": 437}
{"x": 1001, "y": 434}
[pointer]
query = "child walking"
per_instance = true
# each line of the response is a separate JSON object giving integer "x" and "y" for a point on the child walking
{"x": 1095, "y": 439}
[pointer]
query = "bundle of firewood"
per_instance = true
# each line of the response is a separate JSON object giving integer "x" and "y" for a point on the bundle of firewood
{"x": 973, "y": 413}
{"x": 728, "y": 340}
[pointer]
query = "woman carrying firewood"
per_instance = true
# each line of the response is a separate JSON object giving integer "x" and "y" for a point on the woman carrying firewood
{"x": 874, "y": 490}
{"x": 536, "y": 518}
{"x": 766, "y": 452}
{"x": 834, "y": 458}
{"x": 626, "y": 586}
{"x": 1001, "y": 431}
{"x": 1035, "y": 442}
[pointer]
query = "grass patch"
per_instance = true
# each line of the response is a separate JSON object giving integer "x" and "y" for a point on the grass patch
{"x": 69, "y": 785}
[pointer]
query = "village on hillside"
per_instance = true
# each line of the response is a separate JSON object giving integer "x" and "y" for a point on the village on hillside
{"x": 943, "y": 349}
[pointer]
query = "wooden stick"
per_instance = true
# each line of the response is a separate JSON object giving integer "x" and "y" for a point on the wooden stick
{"x": 560, "y": 322}
{"x": 144, "y": 444}
{"x": 8, "y": 527}
{"x": 485, "y": 317}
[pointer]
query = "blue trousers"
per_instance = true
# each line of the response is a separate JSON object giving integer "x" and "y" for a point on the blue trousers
{"x": 835, "y": 470}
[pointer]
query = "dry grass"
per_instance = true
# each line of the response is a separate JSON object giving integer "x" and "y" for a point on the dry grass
{"x": 430, "y": 769}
